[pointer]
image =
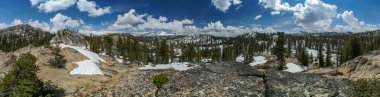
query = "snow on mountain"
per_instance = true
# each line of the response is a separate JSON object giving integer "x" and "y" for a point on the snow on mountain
{"x": 201, "y": 39}
{"x": 90, "y": 55}
{"x": 258, "y": 60}
{"x": 85, "y": 67}
{"x": 158, "y": 34}
{"x": 240, "y": 58}
{"x": 293, "y": 68}
{"x": 176, "y": 66}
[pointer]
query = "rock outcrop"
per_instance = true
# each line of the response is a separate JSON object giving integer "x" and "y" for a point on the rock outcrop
{"x": 365, "y": 66}
{"x": 69, "y": 37}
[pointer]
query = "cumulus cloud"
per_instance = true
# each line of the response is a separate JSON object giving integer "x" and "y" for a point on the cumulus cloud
{"x": 349, "y": 18}
{"x": 127, "y": 20}
{"x": 258, "y": 17}
{"x": 155, "y": 24}
{"x": 35, "y": 2}
{"x": 52, "y": 5}
{"x": 92, "y": 9}
{"x": 312, "y": 15}
{"x": 224, "y": 5}
{"x": 353, "y": 23}
{"x": 315, "y": 15}
{"x": 133, "y": 22}
{"x": 61, "y": 21}
{"x": 3, "y": 25}
{"x": 218, "y": 29}
{"x": 43, "y": 25}
{"x": 278, "y": 6}
{"x": 17, "y": 22}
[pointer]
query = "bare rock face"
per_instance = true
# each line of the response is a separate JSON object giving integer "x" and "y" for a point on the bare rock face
{"x": 366, "y": 66}
{"x": 69, "y": 37}
{"x": 236, "y": 79}
{"x": 222, "y": 79}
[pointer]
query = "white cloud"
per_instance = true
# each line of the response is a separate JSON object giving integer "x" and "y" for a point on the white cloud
{"x": 158, "y": 24}
{"x": 3, "y": 25}
{"x": 313, "y": 15}
{"x": 127, "y": 20}
{"x": 52, "y": 5}
{"x": 132, "y": 22}
{"x": 61, "y": 21}
{"x": 258, "y": 17}
{"x": 218, "y": 29}
{"x": 43, "y": 25}
{"x": 93, "y": 9}
{"x": 278, "y": 6}
{"x": 224, "y": 5}
{"x": 35, "y": 2}
{"x": 275, "y": 13}
{"x": 17, "y": 22}
{"x": 353, "y": 24}
{"x": 350, "y": 19}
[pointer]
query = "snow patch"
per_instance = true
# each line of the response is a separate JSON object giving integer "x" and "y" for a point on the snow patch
{"x": 293, "y": 68}
{"x": 240, "y": 58}
{"x": 258, "y": 60}
{"x": 90, "y": 55}
{"x": 86, "y": 67}
{"x": 176, "y": 66}
{"x": 119, "y": 59}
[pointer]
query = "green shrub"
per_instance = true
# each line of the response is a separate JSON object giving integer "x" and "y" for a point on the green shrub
{"x": 365, "y": 88}
{"x": 160, "y": 80}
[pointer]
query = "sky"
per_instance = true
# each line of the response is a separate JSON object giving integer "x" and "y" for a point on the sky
{"x": 217, "y": 17}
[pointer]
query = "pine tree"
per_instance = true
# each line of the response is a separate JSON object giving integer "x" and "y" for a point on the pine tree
{"x": 58, "y": 60}
{"x": 304, "y": 57}
{"x": 328, "y": 56}
{"x": 279, "y": 50}
{"x": 355, "y": 47}
{"x": 22, "y": 80}
{"x": 164, "y": 52}
{"x": 321, "y": 62}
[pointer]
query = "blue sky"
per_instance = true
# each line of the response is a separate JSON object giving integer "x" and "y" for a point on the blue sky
{"x": 222, "y": 17}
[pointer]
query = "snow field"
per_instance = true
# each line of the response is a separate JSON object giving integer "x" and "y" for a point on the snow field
{"x": 86, "y": 67}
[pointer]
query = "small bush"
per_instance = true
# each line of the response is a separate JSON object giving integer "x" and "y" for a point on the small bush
{"x": 365, "y": 88}
{"x": 58, "y": 61}
{"x": 160, "y": 80}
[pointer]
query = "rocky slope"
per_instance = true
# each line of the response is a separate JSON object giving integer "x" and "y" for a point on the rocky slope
{"x": 226, "y": 79}
{"x": 365, "y": 66}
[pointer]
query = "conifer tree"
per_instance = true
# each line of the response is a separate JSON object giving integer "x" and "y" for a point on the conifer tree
{"x": 279, "y": 50}
{"x": 328, "y": 56}
{"x": 321, "y": 61}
